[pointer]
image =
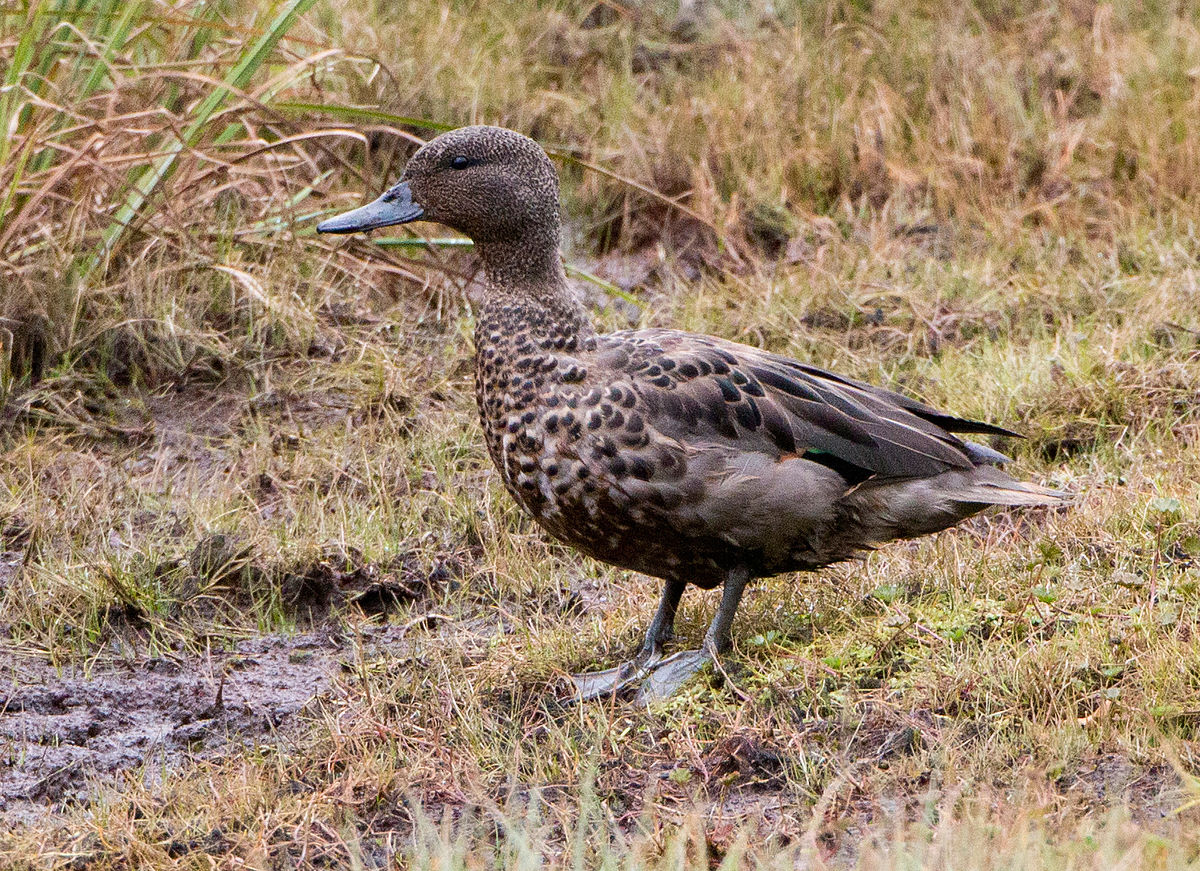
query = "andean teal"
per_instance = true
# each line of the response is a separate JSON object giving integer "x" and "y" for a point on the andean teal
{"x": 687, "y": 457}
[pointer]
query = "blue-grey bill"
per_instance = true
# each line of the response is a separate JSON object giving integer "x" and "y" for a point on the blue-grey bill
{"x": 394, "y": 207}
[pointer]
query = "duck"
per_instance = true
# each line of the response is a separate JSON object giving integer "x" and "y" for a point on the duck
{"x": 688, "y": 458}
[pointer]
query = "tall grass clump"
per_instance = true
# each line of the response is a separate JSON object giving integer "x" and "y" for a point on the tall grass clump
{"x": 143, "y": 169}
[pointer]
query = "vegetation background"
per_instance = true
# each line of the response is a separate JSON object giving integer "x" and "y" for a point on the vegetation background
{"x": 262, "y": 600}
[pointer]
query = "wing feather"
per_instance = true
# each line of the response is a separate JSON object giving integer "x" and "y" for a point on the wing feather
{"x": 721, "y": 390}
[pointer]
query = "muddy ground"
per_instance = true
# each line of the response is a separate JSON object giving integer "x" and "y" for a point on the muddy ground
{"x": 66, "y": 732}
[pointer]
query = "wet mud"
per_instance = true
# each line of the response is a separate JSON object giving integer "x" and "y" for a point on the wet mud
{"x": 66, "y": 732}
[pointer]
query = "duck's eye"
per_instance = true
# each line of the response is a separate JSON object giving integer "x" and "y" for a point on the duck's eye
{"x": 460, "y": 162}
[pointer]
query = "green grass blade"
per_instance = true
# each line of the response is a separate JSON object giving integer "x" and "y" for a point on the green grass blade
{"x": 154, "y": 175}
{"x": 414, "y": 242}
{"x": 114, "y": 42}
{"x": 111, "y": 40}
{"x": 240, "y": 75}
{"x": 361, "y": 113}
{"x": 12, "y": 102}
{"x": 607, "y": 286}
{"x": 18, "y": 174}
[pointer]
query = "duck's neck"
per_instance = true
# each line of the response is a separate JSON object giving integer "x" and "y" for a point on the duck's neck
{"x": 527, "y": 299}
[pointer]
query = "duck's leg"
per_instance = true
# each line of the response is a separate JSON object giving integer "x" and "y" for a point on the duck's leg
{"x": 609, "y": 681}
{"x": 668, "y": 675}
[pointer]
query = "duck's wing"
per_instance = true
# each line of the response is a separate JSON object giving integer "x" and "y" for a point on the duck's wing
{"x": 702, "y": 389}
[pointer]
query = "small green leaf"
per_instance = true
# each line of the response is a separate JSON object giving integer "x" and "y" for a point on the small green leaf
{"x": 1045, "y": 595}
{"x": 887, "y": 593}
{"x": 1167, "y": 615}
{"x": 1166, "y": 505}
{"x": 769, "y": 637}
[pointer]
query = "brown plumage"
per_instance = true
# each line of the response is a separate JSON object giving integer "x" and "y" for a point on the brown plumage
{"x": 686, "y": 457}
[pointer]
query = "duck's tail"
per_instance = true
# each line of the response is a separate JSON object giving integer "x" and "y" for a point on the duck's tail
{"x": 990, "y": 486}
{"x": 1004, "y": 490}
{"x": 883, "y": 510}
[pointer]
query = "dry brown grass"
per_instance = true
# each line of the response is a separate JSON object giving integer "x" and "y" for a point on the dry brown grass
{"x": 218, "y": 429}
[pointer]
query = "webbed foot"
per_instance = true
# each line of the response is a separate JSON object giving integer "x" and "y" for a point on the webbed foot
{"x": 659, "y": 677}
{"x": 668, "y": 675}
{"x": 611, "y": 681}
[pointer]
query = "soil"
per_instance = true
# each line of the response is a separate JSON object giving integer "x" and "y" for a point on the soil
{"x": 64, "y": 732}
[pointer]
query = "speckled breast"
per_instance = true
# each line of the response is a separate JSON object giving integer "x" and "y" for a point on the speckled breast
{"x": 529, "y": 407}
{"x": 570, "y": 452}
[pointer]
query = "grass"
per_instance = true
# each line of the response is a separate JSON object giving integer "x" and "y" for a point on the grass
{"x": 209, "y": 413}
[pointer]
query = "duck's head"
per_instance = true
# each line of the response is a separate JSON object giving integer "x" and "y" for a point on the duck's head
{"x": 489, "y": 183}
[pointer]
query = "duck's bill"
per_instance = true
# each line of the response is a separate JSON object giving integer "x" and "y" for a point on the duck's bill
{"x": 394, "y": 207}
